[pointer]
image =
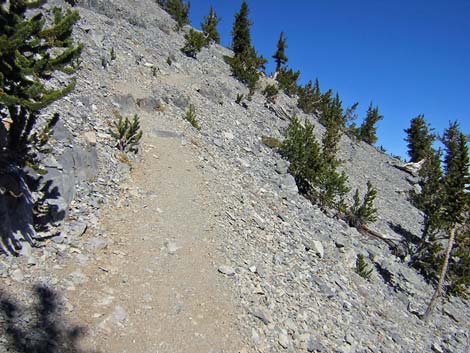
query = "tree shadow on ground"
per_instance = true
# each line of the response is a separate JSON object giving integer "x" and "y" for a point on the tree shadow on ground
{"x": 40, "y": 328}
{"x": 20, "y": 215}
{"x": 409, "y": 241}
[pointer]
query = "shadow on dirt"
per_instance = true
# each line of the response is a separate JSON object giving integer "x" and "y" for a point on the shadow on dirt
{"x": 40, "y": 328}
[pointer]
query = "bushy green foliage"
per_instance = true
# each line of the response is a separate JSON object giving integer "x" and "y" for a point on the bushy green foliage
{"x": 302, "y": 150}
{"x": 127, "y": 133}
{"x": 191, "y": 117}
{"x": 270, "y": 92}
{"x": 419, "y": 138}
{"x": 367, "y": 132}
{"x": 194, "y": 42}
{"x": 178, "y": 10}
{"x": 315, "y": 174}
{"x": 209, "y": 27}
{"x": 363, "y": 211}
{"x": 459, "y": 269}
{"x": 240, "y": 97}
{"x": 457, "y": 174}
{"x": 30, "y": 52}
{"x": 280, "y": 54}
{"x": 246, "y": 62}
{"x": 430, "y": 199}
{"x": 287, "y": 79}
{"x": 309, "y": 97}
{"x": 245, "y": 68}
{"x": 362, "y": 268}
{"x": 241, "y": 37}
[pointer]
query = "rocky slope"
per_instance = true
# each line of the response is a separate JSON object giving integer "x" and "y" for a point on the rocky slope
{"x": 289, "y": 266}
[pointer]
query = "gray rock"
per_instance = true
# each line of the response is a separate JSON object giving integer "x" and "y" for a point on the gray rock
{"x": 167, "y": 134}
{"x": 181, "y": 101}
{"x": 288, "y": 184}
{"x": 126, "y": 103}
{"x": 281, "y": 166}
{"x": 315, "y": 346}
{"x": 95, "y": 244}
{"x": 17, "y": 275}
{"x": 226, "y": 270}
{"x": 171, "y": 247}
{"x": 262, "y": 314}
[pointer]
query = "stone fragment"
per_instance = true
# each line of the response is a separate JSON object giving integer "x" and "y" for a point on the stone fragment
{"x": 226, "y": 270}
{"x": 261, "y": 314}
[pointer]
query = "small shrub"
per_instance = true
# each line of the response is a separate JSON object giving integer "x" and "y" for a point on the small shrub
{"x": 194, "y": 42}
{"x": 127, "y": 134}
{"x": 362, "y": 212}
{"x": 191, "y": 117}
{"x": 270, "y": 92}
{"x": 271, "y": 142}
{"x": 287, "y": 79}
{"x": 362, "y": 268}
{"x": 240, "y": 97}
{"x": 169, "y": 60}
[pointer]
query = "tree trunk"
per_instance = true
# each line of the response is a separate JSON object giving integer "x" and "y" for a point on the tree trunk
{"x": 442, "y": 276}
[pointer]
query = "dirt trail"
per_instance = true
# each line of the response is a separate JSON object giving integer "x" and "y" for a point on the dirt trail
{"x": 156, "y": 288}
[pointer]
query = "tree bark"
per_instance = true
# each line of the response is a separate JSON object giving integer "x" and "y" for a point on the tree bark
{"x": 442, "y": 276}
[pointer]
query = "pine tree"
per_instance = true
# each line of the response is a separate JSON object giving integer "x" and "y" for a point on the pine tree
{"x": 332, "y": 119}
{"x": 26, "y": 62}
{"x": 209, "y": 27}
{"x": 363, "y": 211}
{"x": 241, "y": 42}
{"x": 419, "y": 139}
{"x": 178, "y": 10}
{"x": 456, "y": 201}
{"x": 368, "y": 131}
{"x": 303, "y": 151}
{"x": 194, "y": 42}
{"x": 245, "y": 63}
{"x": 309, "y": 97}
{"x": 350, "y": 117}
{"x": 287, "y": 79}
{"x": 280, "y": 55}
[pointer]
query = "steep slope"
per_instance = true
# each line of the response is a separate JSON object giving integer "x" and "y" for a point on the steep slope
{"x": 293, "y": 282}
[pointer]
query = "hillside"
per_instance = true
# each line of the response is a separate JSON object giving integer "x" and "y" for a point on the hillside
{"x": 201, "y": 243}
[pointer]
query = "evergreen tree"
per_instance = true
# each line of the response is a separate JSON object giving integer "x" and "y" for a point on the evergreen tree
{"x": 430, "y": 199}
{"x": 194, "y": 42}
{"x": 363, "y": 211}
{"x": 332, "y": 119}
{"x": 26, "y": 62}
{"x": 287, "y": 79}
{"x": 309, "y": 97}
{"x": 350, "y": 117}
{"x": 246, "y": 62}
{"x": 303, "y": 151}
{"x": 178, "y": 10}
{"x": 241, "y": 42}
{"x": 419, "y": 139}
{"x": 280, "y": 55}
{"x": 209, "y": 27}
{"x": 456, "y": 201}
{"x": 367, "y": 131}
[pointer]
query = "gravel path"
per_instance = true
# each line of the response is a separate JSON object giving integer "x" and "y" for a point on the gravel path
{"x": 158, "y": 285}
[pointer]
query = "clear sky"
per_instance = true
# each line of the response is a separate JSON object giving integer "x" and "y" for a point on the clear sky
{"x": 408, "y": 57}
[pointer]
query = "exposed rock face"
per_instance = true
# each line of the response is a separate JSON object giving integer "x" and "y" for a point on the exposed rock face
{"x": 291, "y": 265}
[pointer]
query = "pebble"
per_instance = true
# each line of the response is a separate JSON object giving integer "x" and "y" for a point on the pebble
{"x": 226, "y": 270}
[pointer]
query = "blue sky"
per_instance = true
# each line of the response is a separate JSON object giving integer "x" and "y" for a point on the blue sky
{"x": 408, "y": 57}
